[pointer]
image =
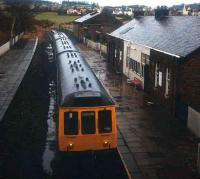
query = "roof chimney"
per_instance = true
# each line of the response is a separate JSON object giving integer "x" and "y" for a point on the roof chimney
{"x": 161, "y": 12}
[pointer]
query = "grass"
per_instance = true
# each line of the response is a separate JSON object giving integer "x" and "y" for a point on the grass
{"x": 54, "y": 17}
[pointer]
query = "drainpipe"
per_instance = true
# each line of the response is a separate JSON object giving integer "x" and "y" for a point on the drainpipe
{"x": 176, "y": 81}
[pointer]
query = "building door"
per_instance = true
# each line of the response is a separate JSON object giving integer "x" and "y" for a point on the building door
{"x": 146, "y": 78}
{"x": 111, "y": 53}
{"x": 181, "y": 111}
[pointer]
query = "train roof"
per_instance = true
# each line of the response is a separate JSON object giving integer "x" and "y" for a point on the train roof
{"x": 62, "y": 43}
{"x": 77, "y": 84}
{"x": 57, "y": 35}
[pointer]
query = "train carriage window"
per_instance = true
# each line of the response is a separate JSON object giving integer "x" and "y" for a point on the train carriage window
{"x": 105, "y": 121}
{"x": 88, "y": 122}
{"x": 71, "y": 123}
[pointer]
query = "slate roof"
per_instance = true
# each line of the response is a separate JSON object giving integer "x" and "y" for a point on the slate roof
{"x": 87, "y": 17}
{"x": 177, "y": 35}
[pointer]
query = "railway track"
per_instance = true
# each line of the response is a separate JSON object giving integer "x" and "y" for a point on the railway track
{"x": 90, "y": 164}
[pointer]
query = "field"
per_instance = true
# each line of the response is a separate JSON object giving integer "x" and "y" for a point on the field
{"x": 54, "y": 17}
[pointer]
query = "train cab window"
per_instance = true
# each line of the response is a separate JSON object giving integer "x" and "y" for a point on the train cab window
{"x": 105, "y": 121}
{"x": 71, "y": 123}
{"x": 88, "y": 122}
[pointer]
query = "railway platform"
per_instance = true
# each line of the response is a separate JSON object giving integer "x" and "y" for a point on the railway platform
{"x": 153, "y": 144}
{"x": 13, "y": 67}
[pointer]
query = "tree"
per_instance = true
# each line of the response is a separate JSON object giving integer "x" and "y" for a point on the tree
{"x": 20, "y": 15}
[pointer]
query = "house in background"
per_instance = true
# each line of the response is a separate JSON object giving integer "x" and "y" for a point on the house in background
{"x": 163, "y": 55}
{"x": 191, "y": 10}
{"x": 186, "y": 11}
{"x": 95, "y": 23}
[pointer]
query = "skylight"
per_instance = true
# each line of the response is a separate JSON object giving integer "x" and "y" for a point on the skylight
{"x": 126, "y": 30}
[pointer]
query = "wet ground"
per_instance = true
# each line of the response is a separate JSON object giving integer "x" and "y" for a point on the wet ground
{"x": 28, "y": 145}
{"x": 152, "y": 142}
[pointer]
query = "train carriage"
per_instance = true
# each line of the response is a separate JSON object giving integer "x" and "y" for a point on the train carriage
{"x": 86, "y": 112}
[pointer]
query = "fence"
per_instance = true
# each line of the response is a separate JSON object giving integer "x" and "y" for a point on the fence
{"x": 96, "y": 46}
{"x": 5, "y": 47}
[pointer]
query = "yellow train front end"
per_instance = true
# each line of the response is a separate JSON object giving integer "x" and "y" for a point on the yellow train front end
{"x": 87, "y": 128}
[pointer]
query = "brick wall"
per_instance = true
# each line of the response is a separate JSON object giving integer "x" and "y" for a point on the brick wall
{"x": 190, "y": 81}
{"x": 163, "y": 62}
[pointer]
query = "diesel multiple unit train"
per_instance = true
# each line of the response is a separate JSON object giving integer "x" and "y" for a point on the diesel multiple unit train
{"x": 86, "y": 112}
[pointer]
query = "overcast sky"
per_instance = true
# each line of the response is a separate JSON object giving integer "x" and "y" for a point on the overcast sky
{"x": 152, "y": 3}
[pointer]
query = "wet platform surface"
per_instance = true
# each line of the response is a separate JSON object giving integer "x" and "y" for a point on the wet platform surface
{"x": 13, "y": 66}
{"x": 152, "y": 143}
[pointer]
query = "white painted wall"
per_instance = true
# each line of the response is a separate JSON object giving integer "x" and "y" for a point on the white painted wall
{"x": 135, "y": 53}
{"x": 104, "y": 49}
{"x": 4, "y": 48}
{"x": 92, "y": 44}
{"x": 193, "y": 122}
{"x": 95, "y": 45}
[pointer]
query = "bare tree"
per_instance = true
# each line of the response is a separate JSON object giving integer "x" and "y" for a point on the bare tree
{"x": 20, "y": 15}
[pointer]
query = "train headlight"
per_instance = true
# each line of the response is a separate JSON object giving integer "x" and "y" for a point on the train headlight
{"x": 106, "y": 143}
{"x": 70, "y": 145}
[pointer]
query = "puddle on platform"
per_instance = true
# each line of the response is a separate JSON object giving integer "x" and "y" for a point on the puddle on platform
{"x": 49, "y": 154}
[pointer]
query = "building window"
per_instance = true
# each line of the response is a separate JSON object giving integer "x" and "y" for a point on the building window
{"x": 115, "y": 53}
{"x": 156, "y": 75}
{"x": 144, "y": 59}
{"x": 120, "y": 55}
{"x": 160, "y": 78}
{"x": 136, "y": 67}
{"x": 167, "y": 85}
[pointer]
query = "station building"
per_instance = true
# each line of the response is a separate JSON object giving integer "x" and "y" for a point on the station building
{"x": 93, "y": 24}
{"x": 161, "y": 55}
